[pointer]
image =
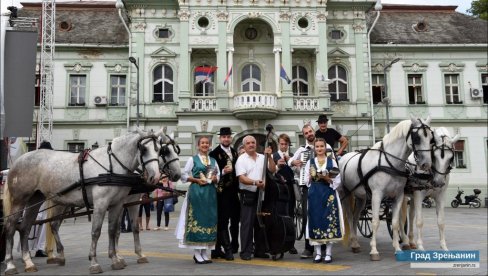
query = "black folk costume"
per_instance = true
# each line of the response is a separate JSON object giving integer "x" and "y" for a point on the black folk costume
{"x": 228, "y": 206}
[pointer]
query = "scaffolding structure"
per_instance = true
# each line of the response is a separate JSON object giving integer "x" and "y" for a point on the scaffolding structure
{"x": 45, "y": 115}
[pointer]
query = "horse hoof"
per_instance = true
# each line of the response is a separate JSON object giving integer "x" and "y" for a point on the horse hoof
{"x": 56, "y": 260}
{"x": 142, "y": 260}
{"x": 406, "y": 247}
{"x": 96, "y": 269}
{"x": 123, "y": 262}
{"x": 375, "y": 257}
{"x": 118, "y": 266}
{"x": 11, "y": 271}
{"x": 31, "y": 269}
{"x": 356, "y": 249}
{"x": 413, "y": 246}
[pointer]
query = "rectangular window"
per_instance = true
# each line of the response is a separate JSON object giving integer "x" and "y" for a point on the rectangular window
{"x": 451, "y": 82}
{"x": 459, "y": 154}
{"x": 117, "y": 89}
{"x": 378, "y": 86}
{"x": 37, "y": 91}
{"x": 77, "y": 85}
{"x": 164, "y": 33}
{"x": 76, "y": 147}
{"x": 484, "y": 87}
{"x": 415, "y": 89}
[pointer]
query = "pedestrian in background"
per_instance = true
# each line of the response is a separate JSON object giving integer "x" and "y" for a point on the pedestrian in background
{"x": 166, "y": 205}
{"x": 147, "y": 209}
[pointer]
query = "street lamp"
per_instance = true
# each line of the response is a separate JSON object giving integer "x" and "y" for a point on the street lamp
{"x": 386, "y": 99}
{"x": 135, "y": 62}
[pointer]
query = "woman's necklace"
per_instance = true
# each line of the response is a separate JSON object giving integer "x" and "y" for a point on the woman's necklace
{"x": 321, "y": 162}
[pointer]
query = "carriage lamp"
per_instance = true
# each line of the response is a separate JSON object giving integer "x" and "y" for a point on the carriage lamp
{"x": 135, "y": 62}
{"x": 386, "y": 99}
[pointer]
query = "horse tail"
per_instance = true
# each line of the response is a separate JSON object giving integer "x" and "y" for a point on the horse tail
{"x": 7, "y": 200}
{"x": 347, "y": 231}
{"x": 50, "y": 242}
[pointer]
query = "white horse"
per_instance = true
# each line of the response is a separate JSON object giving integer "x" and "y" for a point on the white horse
{"x": 382, "y": 170}
{"x": 168, "y": 164}
{"x": 57, "y": 175}
{"x": 424, "y": 183}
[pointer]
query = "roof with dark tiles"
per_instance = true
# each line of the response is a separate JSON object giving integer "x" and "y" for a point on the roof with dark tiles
{"x": 414, "y": 24}
{"x": 94, "y": 22}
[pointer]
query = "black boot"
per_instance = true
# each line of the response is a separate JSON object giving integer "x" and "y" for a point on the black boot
{"x": 226, "y": 245}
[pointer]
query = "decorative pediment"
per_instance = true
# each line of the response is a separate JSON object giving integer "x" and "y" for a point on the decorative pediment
{"x": 337, "y": 53}
{"x": 451, "y": 67}
{"x": 163, "y": 52}
{"x": 415, "y": 67}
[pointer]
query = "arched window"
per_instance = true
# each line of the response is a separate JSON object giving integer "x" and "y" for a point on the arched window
{"x": 163, "y": 84}
{"x": 299, "y": 82}
{"x": 251, "y": 78}
{"x": 338, "y": 83}
{"x": 204, "y": 80}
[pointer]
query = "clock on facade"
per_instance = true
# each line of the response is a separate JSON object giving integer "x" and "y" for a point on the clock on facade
{"x": 251, "y": 33}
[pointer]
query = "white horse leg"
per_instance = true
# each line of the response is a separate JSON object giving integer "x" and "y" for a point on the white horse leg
{"x": 9, "y": 228}
{"x": 30, "y": 216}
{"x": 133, "y": 214}
{"x": 98, "y": 216}
{"x": 395, "y": 221}
{"x": 358, "y": 208}
{"x": 375, "y": 208}
{"x": 55, "y": 224}
{"x": 411, "y": 219}
{"x": 114, "y": 216}
{"x": 403, "y": 218}
{"x": 419, "y": 221}
{"x": 439, "y": 205}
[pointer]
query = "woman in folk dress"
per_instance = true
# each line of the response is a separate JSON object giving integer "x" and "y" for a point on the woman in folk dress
{"x": 197, "y": 225}
{"x": 325, "y": 222}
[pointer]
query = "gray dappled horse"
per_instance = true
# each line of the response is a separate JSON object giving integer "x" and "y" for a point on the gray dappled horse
{"x": 424, "y": 183}
{"x": 382, "y": 170}
{"x": 42, "y": 174}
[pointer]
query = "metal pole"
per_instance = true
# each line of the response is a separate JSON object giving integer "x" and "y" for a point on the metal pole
{"x": 137, "y": 101}
{"x": 386, "y": 98}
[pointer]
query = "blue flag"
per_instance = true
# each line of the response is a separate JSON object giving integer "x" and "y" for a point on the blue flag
{"x": 283, "y": 75}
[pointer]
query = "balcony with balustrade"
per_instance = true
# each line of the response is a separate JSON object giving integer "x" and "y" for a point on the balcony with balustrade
{"x": 255, "y": 105}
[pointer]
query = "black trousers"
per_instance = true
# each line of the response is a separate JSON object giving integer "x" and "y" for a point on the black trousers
{"x": 159, "y": 212}
{"x": 250, "y": 229}
{"x": 227, "y": 201}
{"x": 125, "y": 220}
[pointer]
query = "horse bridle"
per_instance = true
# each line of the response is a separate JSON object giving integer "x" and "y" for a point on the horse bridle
{"x": 142, "y": 150}
{"x": 165, "y": 151}
{"x": 413, "y": 133}
{"x": 442, "y": 148}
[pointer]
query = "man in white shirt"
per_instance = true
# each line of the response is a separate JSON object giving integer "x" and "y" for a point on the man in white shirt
{"x": 249, "y": 170}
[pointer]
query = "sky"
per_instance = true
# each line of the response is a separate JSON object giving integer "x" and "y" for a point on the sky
{"x": 463, "y": 5}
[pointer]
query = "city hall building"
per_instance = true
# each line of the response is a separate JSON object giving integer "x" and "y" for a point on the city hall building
{"x": 198, "y": 65}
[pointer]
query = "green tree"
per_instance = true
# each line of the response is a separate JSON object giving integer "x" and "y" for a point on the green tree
{"x": 479, "y": 8}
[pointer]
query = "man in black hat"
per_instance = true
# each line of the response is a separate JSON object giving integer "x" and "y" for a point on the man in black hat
{"x": 228, "y": 205}
{"x": 330, "y": 135}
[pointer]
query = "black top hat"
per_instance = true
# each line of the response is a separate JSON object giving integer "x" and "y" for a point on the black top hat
{"x": 322, "y": 118}
{"x": 225, "y": 131}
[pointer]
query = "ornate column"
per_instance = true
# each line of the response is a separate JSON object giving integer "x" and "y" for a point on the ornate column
{"x": 184, "y": 68}
{"x": 277, "y": 52}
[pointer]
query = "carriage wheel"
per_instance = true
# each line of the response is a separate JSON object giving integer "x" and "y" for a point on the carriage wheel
{"x": 388, "y": 219}
{"x": 364, "y": 224}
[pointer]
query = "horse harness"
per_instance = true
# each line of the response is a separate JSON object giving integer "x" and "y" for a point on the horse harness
{"x": 390, "y": 169}
{"x": 423, "y": 181}
{"x": 165, "y": 150}
{"x": 129, "y": 179}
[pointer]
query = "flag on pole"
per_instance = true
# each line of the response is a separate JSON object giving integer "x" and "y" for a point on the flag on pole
{"x": 204, "y": 73}
{"x": 283, "y": 75}
{"x": 228, "y": 76}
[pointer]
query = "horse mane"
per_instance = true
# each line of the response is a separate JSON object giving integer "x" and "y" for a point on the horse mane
{"x": 400, "y": 130}
{"x": 440, "y": 132}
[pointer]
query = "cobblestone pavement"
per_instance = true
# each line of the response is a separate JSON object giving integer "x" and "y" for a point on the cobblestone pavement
{"x": 466, "y": 229}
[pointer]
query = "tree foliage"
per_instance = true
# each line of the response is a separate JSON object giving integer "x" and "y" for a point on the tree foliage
{"x": 479, "y": 8}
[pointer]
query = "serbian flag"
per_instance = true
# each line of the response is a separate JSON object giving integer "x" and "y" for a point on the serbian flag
{"x": 228, "y": 76}
{"x": 283, "y": 75}
{"x": 204, "y": 73}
